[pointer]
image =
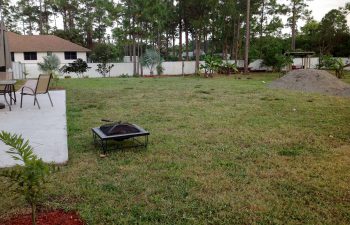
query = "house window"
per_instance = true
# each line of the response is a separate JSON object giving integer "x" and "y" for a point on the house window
{"x": 12, "y": 56}
{"x": 70, "y": 55}
{"x": 49, "y": 53}
{"x": 30, "y": 56}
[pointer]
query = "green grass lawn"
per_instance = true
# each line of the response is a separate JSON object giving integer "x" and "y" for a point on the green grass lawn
{"x": 222, "y": 151}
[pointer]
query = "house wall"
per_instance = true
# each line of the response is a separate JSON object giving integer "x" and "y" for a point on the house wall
{"x": 19, "y": 57}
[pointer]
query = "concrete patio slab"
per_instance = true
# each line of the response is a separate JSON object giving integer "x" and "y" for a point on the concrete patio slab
{"x": 45, "y": 128}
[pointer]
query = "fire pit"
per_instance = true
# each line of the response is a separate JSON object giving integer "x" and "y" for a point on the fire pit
{"x": 118, "y": 132}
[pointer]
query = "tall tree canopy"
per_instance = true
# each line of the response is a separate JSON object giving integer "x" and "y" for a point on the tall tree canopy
{"x": 182, "y": 29}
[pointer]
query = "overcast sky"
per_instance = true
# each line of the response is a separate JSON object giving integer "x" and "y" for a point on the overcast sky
{"x": 322, "y": 7}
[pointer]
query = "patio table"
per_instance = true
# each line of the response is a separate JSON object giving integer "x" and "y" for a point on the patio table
{"x": 9, "y": 89}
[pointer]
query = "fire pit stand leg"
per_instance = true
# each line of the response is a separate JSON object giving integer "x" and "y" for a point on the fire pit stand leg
{"x": 104, "y": 146}
{"x": 146, "y": 141}
{"x": 94, "y": 137}
{"x": 100, "y": 142}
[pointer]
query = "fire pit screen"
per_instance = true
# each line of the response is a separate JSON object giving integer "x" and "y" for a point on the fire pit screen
{"x": 118, "y": 132}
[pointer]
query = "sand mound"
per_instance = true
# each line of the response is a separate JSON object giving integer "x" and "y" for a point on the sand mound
{"x": 318, "y": 81}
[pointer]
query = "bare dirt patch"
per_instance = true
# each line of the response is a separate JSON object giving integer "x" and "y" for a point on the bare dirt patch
{"x": 318, "y": 81}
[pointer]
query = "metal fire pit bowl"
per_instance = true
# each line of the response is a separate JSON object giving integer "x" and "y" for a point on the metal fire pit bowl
{"x": 105, "y": 138}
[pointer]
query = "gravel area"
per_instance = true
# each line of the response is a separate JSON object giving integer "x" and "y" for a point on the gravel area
{"x": 318, "y": 81}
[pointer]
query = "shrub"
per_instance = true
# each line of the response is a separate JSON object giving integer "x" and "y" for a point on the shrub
{"x": 160, "y": 69}
{"x": 211, "y": 65}
{"x": 30, "y": 178}
{"x": 104, "y": 69}
{"x": 79, "y": 67}
{"x": 227, "y": 68}
{"x": 104, "y": 54}
{"x": 151, "y": 59}
{"x": 50, "y": 66}
{"x": 273, "y": 56}
{"x": 124, "y": 76}
{"x": 331, "y": 63}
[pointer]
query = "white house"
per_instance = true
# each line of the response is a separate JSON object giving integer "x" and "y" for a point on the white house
{"x": 32, "y": 48}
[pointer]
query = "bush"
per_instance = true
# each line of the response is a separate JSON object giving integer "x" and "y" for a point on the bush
{"x": 211, "y": 65}
{"x": 151, "y": 59}
{"x": 273, "y": 56}
{"x": 215, "y": 64}
{"x": 79, "y": 67}
{"x": 331, "y": 63}
{"x": 104, "y": 69}
{"x": 104, "y": 54}
{"x": 172, "y": 58}
{"x": 160, "y": 69}
{"x": 124, "y": 76}
{"x": 30, "y": 178}
{"x": 50, "y": 66}
{"x": 227, "y": 68}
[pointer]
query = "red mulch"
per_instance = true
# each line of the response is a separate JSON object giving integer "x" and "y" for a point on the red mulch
{"x": 47, "y": 218}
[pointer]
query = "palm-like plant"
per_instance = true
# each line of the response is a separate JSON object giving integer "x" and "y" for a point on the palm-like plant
{"x": 151, "y": 59}
{"x": 50, "y": 65}
{"x": 335, "y": 64}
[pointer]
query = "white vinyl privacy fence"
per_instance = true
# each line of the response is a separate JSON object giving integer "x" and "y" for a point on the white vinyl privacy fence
{"x": 119, "y": 69}
{"x": 30, "y": 70}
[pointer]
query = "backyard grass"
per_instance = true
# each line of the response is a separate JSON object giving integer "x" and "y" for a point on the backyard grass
{"x": 222, "y": 151}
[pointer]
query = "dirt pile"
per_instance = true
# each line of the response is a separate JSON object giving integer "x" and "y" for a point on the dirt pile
{"x": 318, "y": 81}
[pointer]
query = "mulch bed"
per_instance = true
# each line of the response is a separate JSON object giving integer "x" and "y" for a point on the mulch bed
{"x": 47, "y": 218}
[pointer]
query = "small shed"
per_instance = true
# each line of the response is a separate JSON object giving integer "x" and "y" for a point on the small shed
{"x": 305, "y": 58}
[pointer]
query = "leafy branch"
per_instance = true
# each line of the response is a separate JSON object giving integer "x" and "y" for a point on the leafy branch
{"x": 29, "y": 177}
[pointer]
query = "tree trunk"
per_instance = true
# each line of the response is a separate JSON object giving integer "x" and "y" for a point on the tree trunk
{"x": 141, "y": 55}
{"x": 89, "y": 37}
{"x": 225, "y": 50}
{"x": 99, "y": 33}
{"x": 64, "y": 15}
{"x": 293, "y": 26}
{"x": 261, "y": 27}
{"x": 33, "y": 214}
{"x": 233, "y": 49}
{"x": 233, "y": 41}
{"x": 180, "y": 40}
{"x": 173, "y": 45}
{"x": 70, "y": 19}
{"x": 159, "y": 40}
{"x": 198, "y": 48}
{"x": 46, "y": 20}
{"x": 238, "y": 40}
{"x": 186, "y": 34}
{"x": 167, "y": 45}
{"x": 205, "y": 47}
{"x": 40, "y": 21}
{"x": 134, "y": 54}
{"x": 138, "y": 54}
{"x": 130, "y": 48}
{"x": 246, "y": 51}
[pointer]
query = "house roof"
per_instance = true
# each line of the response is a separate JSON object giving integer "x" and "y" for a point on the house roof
{"x": 41, "y": 43}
